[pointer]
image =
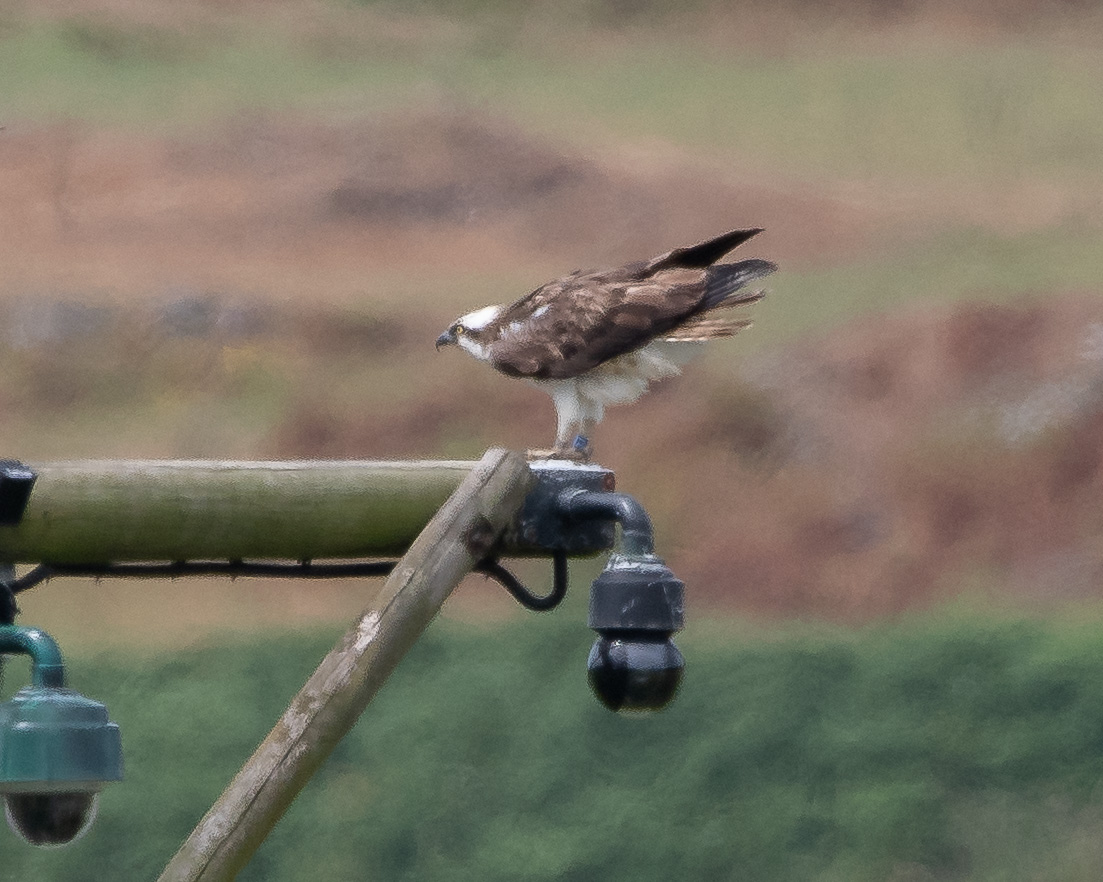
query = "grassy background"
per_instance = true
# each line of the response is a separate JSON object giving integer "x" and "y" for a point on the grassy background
{"x": 918, "y": 106}
{"x": 948, "y": 748}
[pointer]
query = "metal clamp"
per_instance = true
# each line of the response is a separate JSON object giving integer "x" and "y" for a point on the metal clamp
{"x": 16, "y": 481}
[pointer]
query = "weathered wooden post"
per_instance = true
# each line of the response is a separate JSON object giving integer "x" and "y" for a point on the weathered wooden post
{"x": 463, "y": 531}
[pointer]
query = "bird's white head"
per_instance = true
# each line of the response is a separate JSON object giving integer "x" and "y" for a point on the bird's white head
{"x": 469, "y": 331}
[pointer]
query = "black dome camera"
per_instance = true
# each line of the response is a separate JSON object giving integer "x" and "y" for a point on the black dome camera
{"x": 635, "y": 605}
{"x": 55, "y": 818}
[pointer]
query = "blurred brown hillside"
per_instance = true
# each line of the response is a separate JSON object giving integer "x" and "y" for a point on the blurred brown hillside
{"x": 229, "y": 232}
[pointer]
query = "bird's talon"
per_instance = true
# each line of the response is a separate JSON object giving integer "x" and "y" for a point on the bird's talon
{"x": 566, "y": 453}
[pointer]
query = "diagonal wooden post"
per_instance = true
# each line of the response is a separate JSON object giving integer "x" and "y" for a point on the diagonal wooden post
{"x": 455, "y": 540}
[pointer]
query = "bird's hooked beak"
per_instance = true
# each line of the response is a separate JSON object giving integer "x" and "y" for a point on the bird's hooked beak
{"x": 448, "y": 338}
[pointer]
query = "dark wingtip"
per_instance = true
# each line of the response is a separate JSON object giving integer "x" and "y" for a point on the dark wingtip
{"x": 737, "y": 237}
{"x": 704, "y": 253}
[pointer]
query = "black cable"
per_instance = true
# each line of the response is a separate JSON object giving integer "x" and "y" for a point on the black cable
{"x": 231, "y": 568}
{"x": 302, "y": 570}
{"x": 520, "y": 593}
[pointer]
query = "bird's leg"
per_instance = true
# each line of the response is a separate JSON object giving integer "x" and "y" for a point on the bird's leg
{"x": 572, "y": 427}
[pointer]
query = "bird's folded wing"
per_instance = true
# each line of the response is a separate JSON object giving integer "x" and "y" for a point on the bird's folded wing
{"x": 590, "y": 319}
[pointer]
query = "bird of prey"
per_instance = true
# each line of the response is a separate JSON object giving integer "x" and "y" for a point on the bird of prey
{"x": 596, "y": 338}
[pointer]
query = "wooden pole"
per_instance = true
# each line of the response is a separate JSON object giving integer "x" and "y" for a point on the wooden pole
{"x": 460, "y": 534}
{"x": 101, "y": 512}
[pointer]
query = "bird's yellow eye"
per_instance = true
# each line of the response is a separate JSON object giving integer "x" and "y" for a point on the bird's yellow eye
{"x": 460, "y": 330}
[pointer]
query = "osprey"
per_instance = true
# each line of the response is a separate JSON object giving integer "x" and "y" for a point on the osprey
{"x": 596, "y": 338}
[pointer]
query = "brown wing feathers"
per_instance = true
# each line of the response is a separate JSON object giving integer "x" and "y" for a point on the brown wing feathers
{"x": 571, "y": 325}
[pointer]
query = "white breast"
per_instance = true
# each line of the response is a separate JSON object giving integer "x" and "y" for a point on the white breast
{"x": 623, "y": 379}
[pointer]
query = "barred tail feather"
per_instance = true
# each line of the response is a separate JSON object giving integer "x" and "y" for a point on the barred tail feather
{"x": 706, "y": 329}
{"x": 725, "y": 279}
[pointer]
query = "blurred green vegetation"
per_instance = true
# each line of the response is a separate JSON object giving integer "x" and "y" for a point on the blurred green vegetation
{"x": 949, "y": 266}
{"x": 124, "y": 74}
{"x": 937, "y": 265}
{"x": 937, "y": 106}
{"x": 944, "y": 747}
{"x": 933, "y": 109}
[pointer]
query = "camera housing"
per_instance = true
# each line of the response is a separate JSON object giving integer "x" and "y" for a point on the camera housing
{"x": 58, "y": 750}
{"x": 635, "y": 605}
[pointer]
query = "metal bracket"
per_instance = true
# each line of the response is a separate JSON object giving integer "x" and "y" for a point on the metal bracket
{"x": 16, "y": 481}
{"x": 544, "y": 525}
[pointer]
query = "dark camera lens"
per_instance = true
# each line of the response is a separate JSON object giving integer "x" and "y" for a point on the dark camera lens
{"x": 46, "y": 819}
{"x": 635, "y": 671}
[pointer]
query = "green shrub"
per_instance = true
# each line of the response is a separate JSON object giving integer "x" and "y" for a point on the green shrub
{"x": 846, "y": 755}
